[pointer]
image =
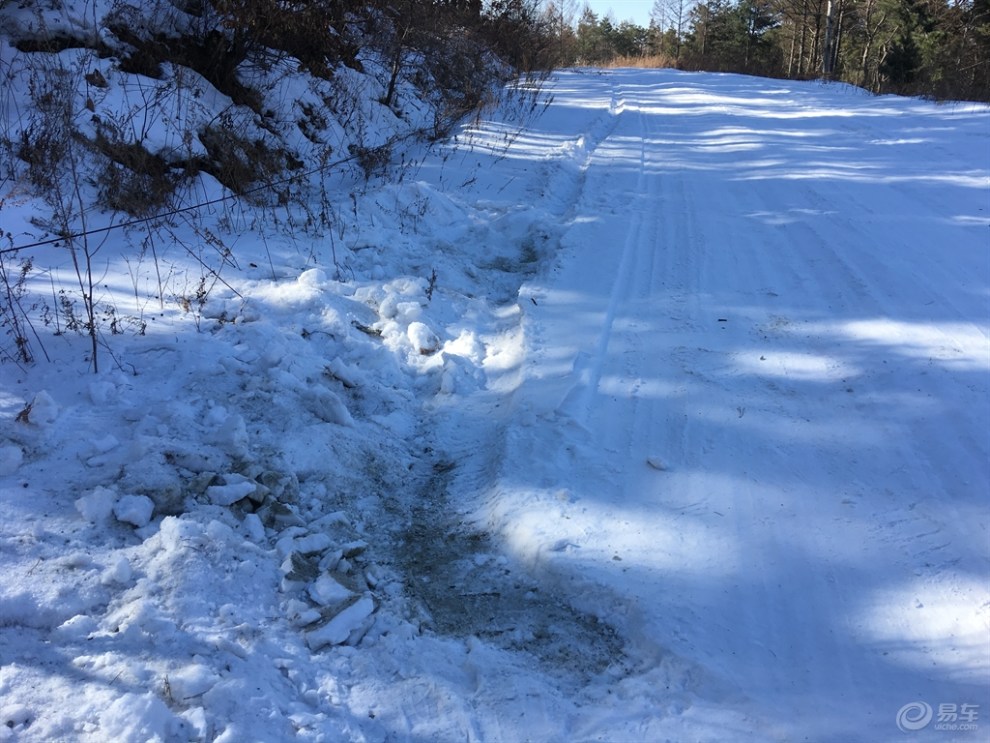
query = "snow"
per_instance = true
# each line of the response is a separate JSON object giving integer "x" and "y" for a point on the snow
{"x": 134, "y": 509}
{"x": 686, "y": 440}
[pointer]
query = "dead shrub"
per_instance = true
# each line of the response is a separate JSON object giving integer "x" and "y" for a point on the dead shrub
{"x": 132, "y": 179}
{"x": 374, "y": 161}
{"x": 240, "y": 163}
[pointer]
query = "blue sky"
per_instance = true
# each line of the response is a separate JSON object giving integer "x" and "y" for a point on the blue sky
{"x": 637, "y": 11}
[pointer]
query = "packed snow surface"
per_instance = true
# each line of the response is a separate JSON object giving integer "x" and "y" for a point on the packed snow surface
{"x": 660, "y": 415}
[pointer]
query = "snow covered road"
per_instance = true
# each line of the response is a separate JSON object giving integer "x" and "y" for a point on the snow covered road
{"x": 659, "y": 413}
{"x": 752, "y": 427}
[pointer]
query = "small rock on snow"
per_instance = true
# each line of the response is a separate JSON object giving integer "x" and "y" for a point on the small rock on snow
{"x": 656, "y": 463}
{"x": 16, "y": 714}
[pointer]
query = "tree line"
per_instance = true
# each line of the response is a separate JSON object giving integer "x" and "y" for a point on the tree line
{"x": 935, "y": 48}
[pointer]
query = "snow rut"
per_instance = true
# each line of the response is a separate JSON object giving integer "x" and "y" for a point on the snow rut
{"x": 588, "y": 367}
{"x": 466, "y": 581}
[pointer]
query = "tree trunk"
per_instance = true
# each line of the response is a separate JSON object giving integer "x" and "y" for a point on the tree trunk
{"x": 829, "y": 33}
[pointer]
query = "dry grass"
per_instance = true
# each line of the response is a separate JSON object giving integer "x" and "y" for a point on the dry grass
{"x": 653, "y": 61}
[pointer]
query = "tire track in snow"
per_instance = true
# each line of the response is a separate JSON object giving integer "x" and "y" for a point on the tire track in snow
{"x": 563, "y": 180}
{"x": 861, "y": 286}
{"x": 608, "y": 189}
{"x": 588, "y": 366}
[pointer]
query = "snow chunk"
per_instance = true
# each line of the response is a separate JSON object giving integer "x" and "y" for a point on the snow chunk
{"x": 191, "y": 681}
{"x": 79, "y": 627}
{"x": 308, "y": 545}
{"x": 389, "y": 306}
{"x": 339, "y": 629}
{"x": 301, "y": 614}
{"x": 134, "y": 717}
{"x": 344, "y": 373}
{"x": 459, "y": 374}
{"x": 97, "y": 506}
{"x": 118, "y": 572}
{"x": 134, "y": 509}
{"x": 105, "y": 444}
{"x": 253, "y": 528}
{"x": 175, "y": 532}
{"x": 326, "y": 591}
{"x": 11, "y": 458}
{"x": 225, "y": 495}
{"x": 466, "y": 344}
{"x": 44, "y": 409}
{"x": 102, "y": 392}
{"x": 314, "y": 278}
{"x": 76, "y": 560}
{"x": 230, "y": 432}
{"x": 195, "y": 722}
{"x": 218, "y": 532}
{"x": 422, "y": 338}
{"x": 326, "y": 406}
{"x": 408, "y": 311}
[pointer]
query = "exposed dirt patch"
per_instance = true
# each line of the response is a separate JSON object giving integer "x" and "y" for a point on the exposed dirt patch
{"x": 468, "y": 588}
